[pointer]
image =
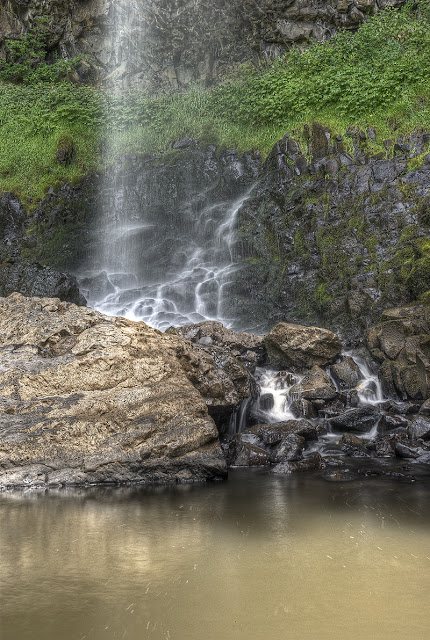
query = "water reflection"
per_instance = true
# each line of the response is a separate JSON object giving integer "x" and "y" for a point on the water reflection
{"x": 256, "y": 557}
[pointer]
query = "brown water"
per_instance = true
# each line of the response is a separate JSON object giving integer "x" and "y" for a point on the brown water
{"x": 255, "y": 557}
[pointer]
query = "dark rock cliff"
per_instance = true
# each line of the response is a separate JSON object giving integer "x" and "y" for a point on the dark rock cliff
{"x": 333, "y": 238}
{"x": 184, "y": 42}
{"x": 325, "y": 238}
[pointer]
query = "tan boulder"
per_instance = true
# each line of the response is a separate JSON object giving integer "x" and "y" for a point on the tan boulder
{"x": 91, "y": 399}
{"x": 292, "y": 346}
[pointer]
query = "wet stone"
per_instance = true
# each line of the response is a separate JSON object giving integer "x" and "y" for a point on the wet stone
{"x": 290, "y": 448}
{"x": 358, "y": 420}
{"x": 301, "y": 408}
{"x": 249, "y": 455}
{"x": 310, "y": 463}
{"x": 390, "y": 421}
{"x": 273, "y": 433}
{"x": 353, "y": 446}
{"x": 419, "y": 428}
{"x": 266, "y": 402}
{"x": 316, "y": 385}
{"x": 346, "y": 373}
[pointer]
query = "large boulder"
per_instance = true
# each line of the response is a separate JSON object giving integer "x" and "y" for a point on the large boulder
{"x": 292, "y": 346}
{"x": 91, "y": 399}
{"x": 346, "y": 373}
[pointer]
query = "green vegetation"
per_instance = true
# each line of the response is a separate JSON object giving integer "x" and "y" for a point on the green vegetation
{"x": 26, "y": 60}
{"x": 377, "y": 77}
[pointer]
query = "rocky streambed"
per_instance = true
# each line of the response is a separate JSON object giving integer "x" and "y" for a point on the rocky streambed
{"x": 91, "y": 399}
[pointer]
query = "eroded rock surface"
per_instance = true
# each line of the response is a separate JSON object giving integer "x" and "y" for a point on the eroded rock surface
{"x": 300, "y": 348}
{"x": 91, "y": 399}
{"x": 174, "y": 43}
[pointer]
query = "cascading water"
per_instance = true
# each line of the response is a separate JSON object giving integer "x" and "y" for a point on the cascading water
{"x": 166, "y": 265}
{"x": 369, "y": 389}
{"x": 278, "y": 392}
{"x": 164, "y": 274}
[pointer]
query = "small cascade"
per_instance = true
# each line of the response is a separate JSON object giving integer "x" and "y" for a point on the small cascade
{"x": 273, "y": 404}
{"x": 186, "y": 276}
{"x": 369, "y": 389}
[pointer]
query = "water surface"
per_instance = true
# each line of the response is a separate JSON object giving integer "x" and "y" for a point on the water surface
{"x": 256, "y": 557}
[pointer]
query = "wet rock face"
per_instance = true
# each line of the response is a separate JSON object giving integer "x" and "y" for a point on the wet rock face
{"x": 401, "y": 343}
{"x": 91, "y": 399}
{"x": 326, "y": 241}
{"x": 176, "y": 43}
{"x": 297, "y": 347}
{"x": 33, "y": 279}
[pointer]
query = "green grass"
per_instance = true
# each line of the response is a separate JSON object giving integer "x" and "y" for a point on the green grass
{"x": 378, "y": 76}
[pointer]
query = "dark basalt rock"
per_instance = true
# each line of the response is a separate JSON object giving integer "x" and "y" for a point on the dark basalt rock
{"x": 358, "y": 420}
{"x": 274, "y": 433}
{"x": 33, "y": 279}
{"x": 419, "y": 428}
{"x": 346, "y": 373}
{"x": 290, "y": 448}
{"x": 390, "y": 422}
{"x": 310, "y": 463}
{"x": 249, "y": 455}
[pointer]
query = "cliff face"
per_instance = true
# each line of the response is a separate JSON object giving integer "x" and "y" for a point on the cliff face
{"x": 326, "y": 237}
{"x": 174, "y": 43}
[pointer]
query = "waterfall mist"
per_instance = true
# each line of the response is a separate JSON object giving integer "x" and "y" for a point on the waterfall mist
{"x": 166, "y": 233}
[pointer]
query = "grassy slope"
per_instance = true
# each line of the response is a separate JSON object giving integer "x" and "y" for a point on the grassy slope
{"x": 379, "y": 76}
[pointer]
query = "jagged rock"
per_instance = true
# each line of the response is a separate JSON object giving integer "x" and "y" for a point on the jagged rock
{"x": 419, "y": 428}
{"x": 298, "y": 347}
{"x": 220, "y": 378}
{"x": 301, "y": 408}
{"x": 33, "y": 279}
{"x": 91, "y": 399}
{"x": 346, "y": 373}
{"x": 403, "y": 337}
{"x": 357, "y": 420}
{"x": 190, "y": 43}
{"x": 315, "y": 385}
{"x": 246, "y": 347}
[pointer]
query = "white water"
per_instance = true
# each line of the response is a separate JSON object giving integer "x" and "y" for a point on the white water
{"x": 279, "y": 386}
{"x": 163, "y": 267}
{"x": 369, "y": 389}
{"x": 192, "y": 280}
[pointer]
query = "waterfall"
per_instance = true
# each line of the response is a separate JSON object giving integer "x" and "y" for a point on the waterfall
{"x": 165, "y": 267}
{"x": 186, "y": 270}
